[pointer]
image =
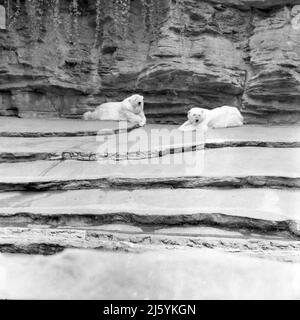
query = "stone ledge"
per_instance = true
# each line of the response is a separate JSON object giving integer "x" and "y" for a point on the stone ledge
{"x": 58, "y": 145}
{"x": 256, "y": 203}
{"x": 10, "y": 157}
{"x": 209, "y": 163}
{"x": 32, "y": 134}
{"x": 259, "y": 4}
{"x": 146, "y": 183}
{"x": 50, "y": 241}
{"x": 289, "y": 228}
{"x": 15, "y": 134}
{"x": 23, "y": 127}
{"x": 199, "y": 273}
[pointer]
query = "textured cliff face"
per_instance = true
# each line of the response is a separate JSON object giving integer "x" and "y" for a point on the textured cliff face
{"x": 244, "y": 53}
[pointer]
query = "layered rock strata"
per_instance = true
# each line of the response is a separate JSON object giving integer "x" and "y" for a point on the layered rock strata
{"x": 244, "y": 53}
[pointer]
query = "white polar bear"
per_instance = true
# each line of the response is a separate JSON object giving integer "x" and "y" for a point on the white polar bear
{"x": 130, "y": 109}
{"x": 295, "y": 13}
{"x": 196, "y": 120}
{"x": 222, "y": 117}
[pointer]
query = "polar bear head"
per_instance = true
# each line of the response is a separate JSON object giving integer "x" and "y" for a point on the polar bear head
{"x": 295, "y": 10}
{"x": 136, "y": 103}
{"x": 196, "y": 116}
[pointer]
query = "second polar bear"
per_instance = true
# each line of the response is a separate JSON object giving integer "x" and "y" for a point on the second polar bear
{"x": 130, "y": 109}
{"x": 222, "y": 117}
{"x": 196, "y": 120}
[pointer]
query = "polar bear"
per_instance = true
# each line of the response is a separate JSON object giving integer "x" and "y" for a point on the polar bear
{"x": 130, "y": 109}
{"x": 222, "y": 117}
{"x": 196, "y": 120}
{"x": 295, "y": 14}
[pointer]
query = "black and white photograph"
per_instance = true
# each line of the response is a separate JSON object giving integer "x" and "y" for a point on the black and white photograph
{"x": 150, "y": 150}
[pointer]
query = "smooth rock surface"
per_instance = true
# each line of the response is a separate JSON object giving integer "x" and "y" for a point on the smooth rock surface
{"x": 16, "y": 127}
{"x": 149, "y": 141}
{"x": 240, "y": 167}
{"x": 198, "y": 274}
{"x": 236, "y": 162}
{"x": 268, "y": 204}
{"x": 264, "y": 211}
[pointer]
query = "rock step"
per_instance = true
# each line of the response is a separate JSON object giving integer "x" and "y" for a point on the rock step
{"x": 287, "y": 229}
{"x": 260, "y": 210}
{"x": 149, "y": 275}
{"x": 72, "y": 154}
{"x": 37, "y": 128}
{"x": 126, "y": 147}
{"x": 22, "y": 127}
{"x": 132, "y": 183}
{"x": 227, "y": 167}
{"x": 274, "y": 204}
{"x": 41, "y": 240}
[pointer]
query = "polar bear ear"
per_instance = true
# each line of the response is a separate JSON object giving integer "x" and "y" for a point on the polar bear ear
{"x": 135, "y": 98}
{"x": 132, "y": 100}
{"x": 190, "y": 113}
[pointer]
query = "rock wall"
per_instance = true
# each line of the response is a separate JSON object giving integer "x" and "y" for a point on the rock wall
{"x": 176, "y": 53}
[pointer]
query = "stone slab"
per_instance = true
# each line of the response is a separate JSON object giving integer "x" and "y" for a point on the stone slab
{"x": 33, "y": 127}
{"x": 26, "y": 170}
{"x": 44, "y": 240}
{"x": 201, "y": 274}
{"x": 121, "y": 146}
{"x": 233, "y": 162}
{"x": 25, "y": 127}
{"x": 124, "y": 146}
{"x": 209, "y": 162}
{"x": 268, "y": 204}
{"x": 264, "y": 211}
{"x": 226, "y": 167}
